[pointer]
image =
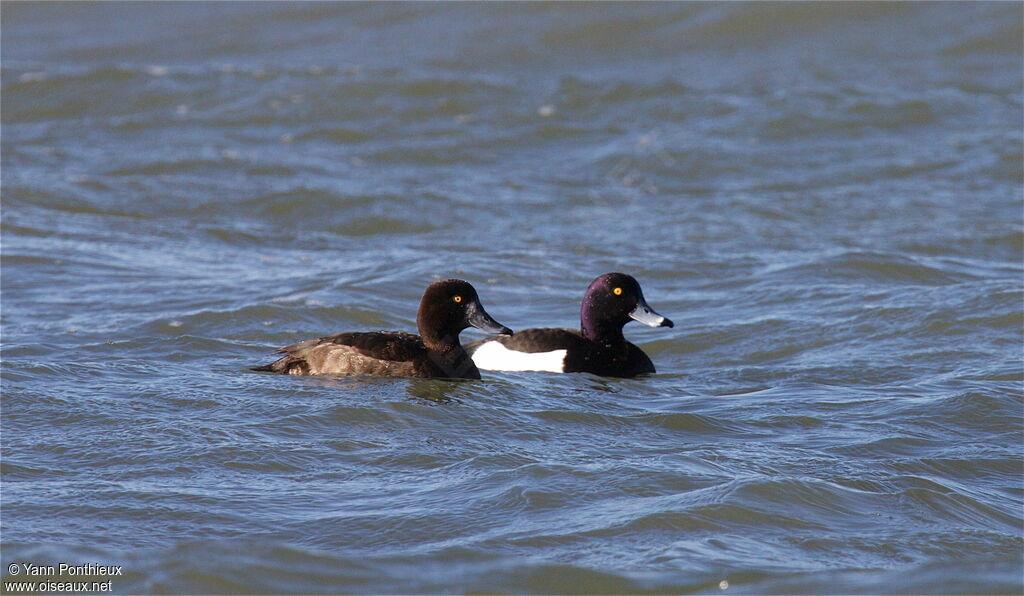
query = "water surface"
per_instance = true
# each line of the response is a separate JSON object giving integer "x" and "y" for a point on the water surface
{"x": 825, "y": 198}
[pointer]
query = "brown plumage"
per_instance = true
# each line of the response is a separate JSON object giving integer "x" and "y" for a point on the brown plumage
{"x": 447, "y": 307}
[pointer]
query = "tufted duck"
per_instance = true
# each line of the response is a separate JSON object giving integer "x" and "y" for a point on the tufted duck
{"x": 611, "y": 301}
{"x": 446, "y": 309}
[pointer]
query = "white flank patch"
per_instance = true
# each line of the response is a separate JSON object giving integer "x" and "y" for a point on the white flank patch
{"x": 495, "y": 356}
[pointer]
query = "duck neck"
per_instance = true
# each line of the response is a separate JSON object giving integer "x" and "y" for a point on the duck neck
{"x": 437, "y": 341}
{"x": 601, "y": 331}
{"x": 450, "y": 358}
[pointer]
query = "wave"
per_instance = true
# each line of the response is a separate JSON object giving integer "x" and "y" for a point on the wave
{"x": 874, "y": 267}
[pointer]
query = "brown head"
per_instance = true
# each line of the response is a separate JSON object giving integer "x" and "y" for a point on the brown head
{"x": 448, "y": 307}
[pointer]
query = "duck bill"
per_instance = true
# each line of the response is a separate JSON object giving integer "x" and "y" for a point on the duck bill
{"x": 646, "y": 315}
{"x": 479, "y": 318}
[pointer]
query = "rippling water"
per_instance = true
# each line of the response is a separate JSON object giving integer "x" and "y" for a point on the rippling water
{"x": 825, "y": 198}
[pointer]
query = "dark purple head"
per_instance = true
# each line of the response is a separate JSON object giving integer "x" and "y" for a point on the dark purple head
{"x": 611, "y": 301}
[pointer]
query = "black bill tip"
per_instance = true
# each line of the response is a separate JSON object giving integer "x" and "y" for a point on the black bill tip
{"x": 479, "y": 318}
{"x": 646, "y": 315}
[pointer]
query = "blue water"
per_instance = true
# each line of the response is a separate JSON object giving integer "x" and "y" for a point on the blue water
{"x": 826, "y": 198}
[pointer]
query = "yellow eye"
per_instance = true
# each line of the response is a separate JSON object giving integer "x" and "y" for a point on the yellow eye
{"x": 617, "y": 291}
{"x": 457, "y": 299}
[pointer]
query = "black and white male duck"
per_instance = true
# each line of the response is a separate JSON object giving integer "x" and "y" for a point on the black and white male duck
{"x": 611, "y": 301}
{"x": 447, "y": 307}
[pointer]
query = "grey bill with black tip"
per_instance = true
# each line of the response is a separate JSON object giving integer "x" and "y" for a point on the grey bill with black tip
{"x": 478, "y": 317}
{"x": 646, "y": 315}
